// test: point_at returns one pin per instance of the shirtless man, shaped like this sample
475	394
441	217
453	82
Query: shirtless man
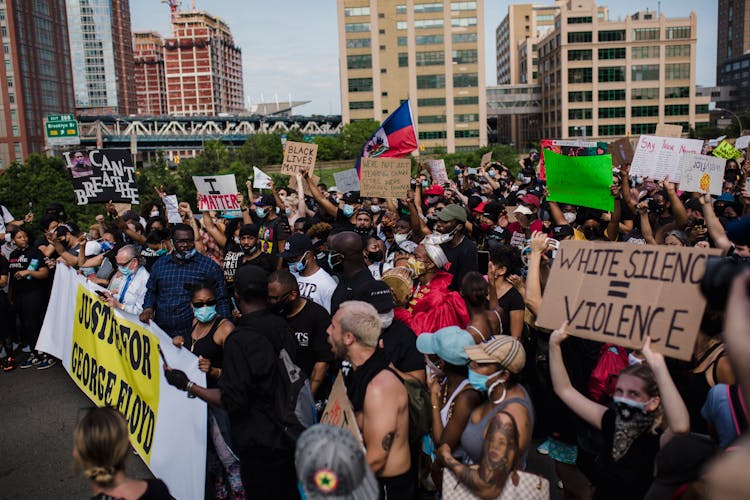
378	397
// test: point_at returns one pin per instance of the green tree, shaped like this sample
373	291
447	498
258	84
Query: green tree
330	147
354	136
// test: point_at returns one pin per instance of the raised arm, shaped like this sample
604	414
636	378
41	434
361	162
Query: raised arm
557	215
533	296
301	207
678	209
324	203
216	233
715	229
613	228
648	233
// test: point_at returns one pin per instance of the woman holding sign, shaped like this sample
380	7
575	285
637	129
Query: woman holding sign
632	431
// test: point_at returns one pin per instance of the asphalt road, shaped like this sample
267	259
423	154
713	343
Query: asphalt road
38	411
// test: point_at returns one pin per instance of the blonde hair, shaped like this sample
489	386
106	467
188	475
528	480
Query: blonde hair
644	372
361	319
100	440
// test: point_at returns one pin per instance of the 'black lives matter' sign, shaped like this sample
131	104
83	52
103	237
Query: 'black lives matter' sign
102	175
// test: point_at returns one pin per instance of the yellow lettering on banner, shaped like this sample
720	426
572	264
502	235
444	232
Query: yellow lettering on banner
115	363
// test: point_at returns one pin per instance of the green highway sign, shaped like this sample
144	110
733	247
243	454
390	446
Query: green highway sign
61	130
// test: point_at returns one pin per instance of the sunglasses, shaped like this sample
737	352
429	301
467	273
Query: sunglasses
208	303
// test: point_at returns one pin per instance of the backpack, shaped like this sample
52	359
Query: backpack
293	405
612	360
420	407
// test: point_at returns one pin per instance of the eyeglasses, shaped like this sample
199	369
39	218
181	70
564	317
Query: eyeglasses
271	298
208	303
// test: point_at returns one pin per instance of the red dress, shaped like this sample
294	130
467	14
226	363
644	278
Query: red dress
433	307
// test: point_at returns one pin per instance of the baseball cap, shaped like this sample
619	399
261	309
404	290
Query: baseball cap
530	199
562	231
250	278
739	231
352	197
331	464
502	349
448	343
267	200
680	461
249	230
480	207
522	209
452	212
92	248
296	245
435	190
376	293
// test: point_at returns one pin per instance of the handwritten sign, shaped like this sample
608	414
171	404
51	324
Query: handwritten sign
742	142
610	292
702	174
726	151
102	175
339	411
216	192
299	157
437	171
347	180
385	177
172	206
622	152
261	180
659	157
486	159
667	130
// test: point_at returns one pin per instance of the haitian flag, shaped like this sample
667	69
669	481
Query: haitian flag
395	138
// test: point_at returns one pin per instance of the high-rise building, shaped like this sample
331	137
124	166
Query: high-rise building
203	66
36	78
733	53
150	80
608	79
101	48
429	52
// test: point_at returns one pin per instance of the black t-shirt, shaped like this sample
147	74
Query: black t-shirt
4	269
511	301
42	242
20	260
342	221
309	328
270	233
232	260
150	257
263	260
400	347
350	288
462	259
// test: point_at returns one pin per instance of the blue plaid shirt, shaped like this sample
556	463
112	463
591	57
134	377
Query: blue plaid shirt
167	296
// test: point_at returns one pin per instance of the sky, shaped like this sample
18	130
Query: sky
291	46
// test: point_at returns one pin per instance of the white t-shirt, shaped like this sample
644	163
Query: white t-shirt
376	271
6	218
317	287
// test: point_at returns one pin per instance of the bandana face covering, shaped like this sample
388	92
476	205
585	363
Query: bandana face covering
630	423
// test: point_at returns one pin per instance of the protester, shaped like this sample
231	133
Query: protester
127	288
346	257
314	282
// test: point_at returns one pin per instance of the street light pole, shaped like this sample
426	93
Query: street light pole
739	122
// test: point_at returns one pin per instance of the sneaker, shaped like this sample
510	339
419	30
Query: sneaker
25	348
32	360
46	362
543	448
8	364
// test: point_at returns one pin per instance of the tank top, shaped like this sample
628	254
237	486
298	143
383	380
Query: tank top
206	347
472	439
459	452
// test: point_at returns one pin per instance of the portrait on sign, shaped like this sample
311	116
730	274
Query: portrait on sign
79	164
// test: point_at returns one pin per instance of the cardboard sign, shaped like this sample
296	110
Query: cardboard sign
726	151
216	192
339	411
299	157
384	177
622	152
305	187
171	204
102	175
347	180
486	159
702	174
580	180
742	142
618	293
667	130
437	171
659	157
261	180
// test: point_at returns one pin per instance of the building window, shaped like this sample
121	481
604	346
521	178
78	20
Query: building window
545	18
357	11
579	114
678	71
423	8
644	72
360	84
431	119
400	9
579	37
428	23
579	75
676	92
611	74
611	130
580	20
359	61
643	128
357	43
642	111
605	113
645	34
583	96
401	25
466	80
403	59
612	95
701	109
357	27
464	56
677	51
434	134
465	100
464	37
430	81
612	36
435	58
647	52
360	105
402	41
428	39
467	118
644	94
463	22
676	109
615	53
579	55
463	6
431	101
678	32
463	134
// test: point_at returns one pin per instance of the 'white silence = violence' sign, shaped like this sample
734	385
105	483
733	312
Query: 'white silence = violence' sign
216	192
619	293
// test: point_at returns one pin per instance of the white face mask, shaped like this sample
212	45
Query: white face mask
570	217
375	208
400	238
237	239
154	213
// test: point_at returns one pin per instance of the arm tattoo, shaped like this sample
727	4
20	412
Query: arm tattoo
388	440
498	458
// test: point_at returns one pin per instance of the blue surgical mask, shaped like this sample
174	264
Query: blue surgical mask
186	256
491	173
107	245
348	210
478	381
287	212
161	251
635	405
261	213
425	184
298	267
125	271
334	260
205	314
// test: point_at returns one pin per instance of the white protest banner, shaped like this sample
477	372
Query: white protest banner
702	174
216	192
438	172
347	180
102	175
742	142
339	411
659	157
171	203
261	180
610	292
299	157
114	360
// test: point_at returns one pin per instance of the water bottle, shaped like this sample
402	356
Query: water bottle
33	266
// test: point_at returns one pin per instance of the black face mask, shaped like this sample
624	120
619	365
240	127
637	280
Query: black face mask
592	233
375	256
364	231
281	307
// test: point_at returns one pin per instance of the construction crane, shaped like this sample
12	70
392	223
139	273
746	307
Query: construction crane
173	5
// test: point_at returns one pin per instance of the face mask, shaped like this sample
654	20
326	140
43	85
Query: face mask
320	255
261	213
570	217
186	256
155	213
591	233
375	256
107	245
424	184
161	251
237	239
485	227
251	250
525	180
363	231
125	271
334	260
491	173
632	360
417	267
287	212
374	208
478	381
279	308
298	267
432	199
400	238
348	210
205	314
627	408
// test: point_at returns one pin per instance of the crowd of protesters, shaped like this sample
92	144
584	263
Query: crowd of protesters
434	296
